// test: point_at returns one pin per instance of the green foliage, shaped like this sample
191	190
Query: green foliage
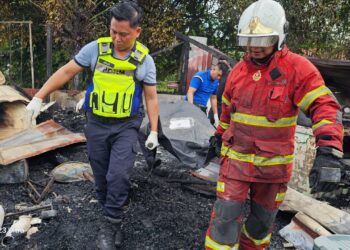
162	87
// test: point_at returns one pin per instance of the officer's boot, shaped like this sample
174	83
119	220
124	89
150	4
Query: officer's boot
118	238
109	235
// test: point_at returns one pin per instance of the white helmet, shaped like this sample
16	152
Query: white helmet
262	24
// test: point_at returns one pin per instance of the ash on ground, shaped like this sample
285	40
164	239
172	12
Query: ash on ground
160	213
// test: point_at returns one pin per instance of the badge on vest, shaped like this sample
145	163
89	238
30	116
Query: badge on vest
257	76
104	47
108	64
137	55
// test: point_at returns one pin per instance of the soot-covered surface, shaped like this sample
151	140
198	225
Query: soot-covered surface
160	214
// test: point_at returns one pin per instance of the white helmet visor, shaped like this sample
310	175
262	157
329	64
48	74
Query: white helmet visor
257	41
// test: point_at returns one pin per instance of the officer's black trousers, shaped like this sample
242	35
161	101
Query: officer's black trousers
111	147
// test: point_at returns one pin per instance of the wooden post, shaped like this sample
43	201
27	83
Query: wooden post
31	52
49	50
214	52
185	54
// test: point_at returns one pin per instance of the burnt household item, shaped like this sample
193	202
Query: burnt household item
184	132
2	215
72	171
12	112
338	241
48	214
16	172
18	228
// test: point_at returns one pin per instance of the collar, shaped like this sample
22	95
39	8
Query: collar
273	59
127	55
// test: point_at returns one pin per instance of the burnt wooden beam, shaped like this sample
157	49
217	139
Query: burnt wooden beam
185	54
166	49
216	53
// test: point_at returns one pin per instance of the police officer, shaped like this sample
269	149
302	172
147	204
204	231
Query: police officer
121	70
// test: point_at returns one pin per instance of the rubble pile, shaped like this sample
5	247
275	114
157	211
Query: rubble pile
161	212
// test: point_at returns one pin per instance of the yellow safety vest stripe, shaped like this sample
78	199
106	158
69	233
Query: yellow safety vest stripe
254	159
321	123
262	121
311	96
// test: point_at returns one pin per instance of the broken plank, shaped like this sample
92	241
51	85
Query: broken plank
316	228
330	217
215	52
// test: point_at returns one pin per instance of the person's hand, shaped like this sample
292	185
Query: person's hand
152	140
33	109
327	171
216	120
79	105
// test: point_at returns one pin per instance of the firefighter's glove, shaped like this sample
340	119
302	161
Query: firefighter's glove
327	171
152	140
218	142
79	105
33	109
216	120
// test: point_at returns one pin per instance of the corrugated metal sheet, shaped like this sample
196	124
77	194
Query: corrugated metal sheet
335	72
44	137
198	59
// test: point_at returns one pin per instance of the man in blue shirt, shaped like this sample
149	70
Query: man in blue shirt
204	85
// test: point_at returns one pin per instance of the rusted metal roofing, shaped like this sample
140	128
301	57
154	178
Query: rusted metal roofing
44	137
335	72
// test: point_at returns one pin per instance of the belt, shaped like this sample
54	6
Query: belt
109	120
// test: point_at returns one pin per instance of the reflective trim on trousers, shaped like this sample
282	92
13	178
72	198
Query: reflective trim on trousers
280	197
220	187
257	242
210	243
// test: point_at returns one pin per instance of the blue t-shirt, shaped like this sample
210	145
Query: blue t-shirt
145	72
205	86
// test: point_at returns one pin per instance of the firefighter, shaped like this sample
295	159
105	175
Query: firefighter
122	70
261	101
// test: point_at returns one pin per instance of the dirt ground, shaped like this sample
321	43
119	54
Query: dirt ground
160	214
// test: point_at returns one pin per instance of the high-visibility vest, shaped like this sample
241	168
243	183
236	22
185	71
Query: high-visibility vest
114	81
